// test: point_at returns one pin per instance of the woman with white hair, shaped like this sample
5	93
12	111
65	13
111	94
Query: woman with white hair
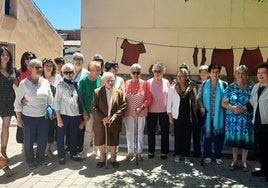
68	110
31	115
138	97
79	71
108	107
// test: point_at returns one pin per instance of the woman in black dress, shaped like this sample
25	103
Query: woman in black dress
8	76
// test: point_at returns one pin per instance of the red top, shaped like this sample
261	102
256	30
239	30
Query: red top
137	94
131	52
24	75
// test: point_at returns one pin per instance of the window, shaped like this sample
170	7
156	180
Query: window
11	8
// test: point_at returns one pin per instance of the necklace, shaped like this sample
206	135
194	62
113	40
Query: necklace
134	91
71	89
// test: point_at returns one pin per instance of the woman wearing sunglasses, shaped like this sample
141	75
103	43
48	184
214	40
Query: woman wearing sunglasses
31	115
138	98
68	110
158	110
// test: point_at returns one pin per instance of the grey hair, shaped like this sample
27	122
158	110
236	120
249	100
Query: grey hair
78	54
67	65
243	68
160	65
203	68
33	62
135	66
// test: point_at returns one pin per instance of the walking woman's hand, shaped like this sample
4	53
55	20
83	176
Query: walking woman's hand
59	122
170	119
20	122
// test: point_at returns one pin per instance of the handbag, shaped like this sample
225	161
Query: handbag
50	113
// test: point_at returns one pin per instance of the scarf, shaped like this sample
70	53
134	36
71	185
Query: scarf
70	82
218	120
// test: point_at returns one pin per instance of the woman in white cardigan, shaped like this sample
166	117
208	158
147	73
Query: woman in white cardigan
181	109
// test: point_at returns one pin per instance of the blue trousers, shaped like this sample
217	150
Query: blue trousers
71	123
35	129
218	140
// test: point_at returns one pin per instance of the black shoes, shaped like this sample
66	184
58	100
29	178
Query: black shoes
62	161
258	173
163	156
115	164
100	164
150	155
75	158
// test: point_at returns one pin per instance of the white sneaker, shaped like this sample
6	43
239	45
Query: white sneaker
219	161
207	160
187	160
177	159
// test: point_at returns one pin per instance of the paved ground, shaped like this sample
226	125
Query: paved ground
149	173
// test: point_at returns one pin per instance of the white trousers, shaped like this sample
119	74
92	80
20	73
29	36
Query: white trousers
131	124
89	135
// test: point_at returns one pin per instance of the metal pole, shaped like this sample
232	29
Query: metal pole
136	144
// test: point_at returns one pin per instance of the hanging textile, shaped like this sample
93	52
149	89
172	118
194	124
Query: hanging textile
251	58
224	57
131	52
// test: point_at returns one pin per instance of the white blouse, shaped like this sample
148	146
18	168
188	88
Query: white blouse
38	96
66	99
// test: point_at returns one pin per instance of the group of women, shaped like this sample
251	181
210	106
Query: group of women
228	113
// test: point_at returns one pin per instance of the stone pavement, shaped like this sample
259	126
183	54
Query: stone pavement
148	173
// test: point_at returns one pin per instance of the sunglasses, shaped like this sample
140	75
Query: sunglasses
136	73
38	67
68	72
157	71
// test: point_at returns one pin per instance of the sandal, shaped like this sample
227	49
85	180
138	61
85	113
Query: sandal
233	166
245	167
115	164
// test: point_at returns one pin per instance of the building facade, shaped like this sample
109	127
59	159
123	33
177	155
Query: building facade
24	28
174	31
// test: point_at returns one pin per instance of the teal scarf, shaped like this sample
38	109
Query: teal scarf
218	121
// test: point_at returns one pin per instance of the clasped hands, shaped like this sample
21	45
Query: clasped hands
239	110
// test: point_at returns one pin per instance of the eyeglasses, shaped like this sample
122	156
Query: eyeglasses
157	71
38	67
136	73
68	72
78	59
110	81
